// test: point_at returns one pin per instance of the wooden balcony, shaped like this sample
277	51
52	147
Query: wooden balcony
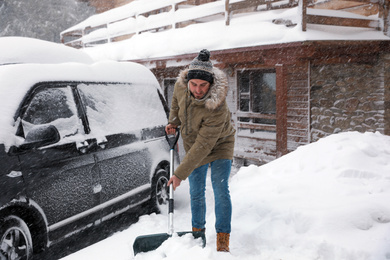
353	13
170	14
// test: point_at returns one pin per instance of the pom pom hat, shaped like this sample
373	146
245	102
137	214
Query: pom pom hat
201	67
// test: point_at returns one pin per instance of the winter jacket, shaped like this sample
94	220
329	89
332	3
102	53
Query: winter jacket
205	124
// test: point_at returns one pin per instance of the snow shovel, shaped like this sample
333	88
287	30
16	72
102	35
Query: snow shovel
148	243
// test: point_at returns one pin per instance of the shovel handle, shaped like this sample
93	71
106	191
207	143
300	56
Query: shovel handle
172	141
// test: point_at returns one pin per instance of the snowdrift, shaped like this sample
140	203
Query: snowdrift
326	200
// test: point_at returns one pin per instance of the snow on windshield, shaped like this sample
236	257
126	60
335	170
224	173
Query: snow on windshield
116	108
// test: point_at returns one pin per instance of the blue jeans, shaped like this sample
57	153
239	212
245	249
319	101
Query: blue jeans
220	172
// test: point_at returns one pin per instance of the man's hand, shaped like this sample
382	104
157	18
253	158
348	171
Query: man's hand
170	129
175	181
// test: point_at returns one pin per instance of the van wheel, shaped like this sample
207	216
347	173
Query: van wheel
160	192
15	239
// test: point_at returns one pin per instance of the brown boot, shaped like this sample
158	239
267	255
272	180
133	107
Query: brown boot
223	242
194	229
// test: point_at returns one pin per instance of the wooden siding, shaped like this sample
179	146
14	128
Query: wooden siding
297	105
281	110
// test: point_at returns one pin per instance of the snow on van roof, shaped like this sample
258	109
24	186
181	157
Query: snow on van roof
17	79
30	50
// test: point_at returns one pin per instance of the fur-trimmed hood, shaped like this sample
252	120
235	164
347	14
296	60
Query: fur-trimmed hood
217	92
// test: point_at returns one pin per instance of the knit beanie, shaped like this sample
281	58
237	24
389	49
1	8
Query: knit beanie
201	67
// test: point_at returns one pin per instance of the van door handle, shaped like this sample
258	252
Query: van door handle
14	174
97	188
102	142
82	146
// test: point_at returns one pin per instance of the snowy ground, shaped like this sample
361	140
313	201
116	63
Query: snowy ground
328	200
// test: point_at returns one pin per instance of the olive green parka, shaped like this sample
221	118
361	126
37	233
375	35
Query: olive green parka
205	124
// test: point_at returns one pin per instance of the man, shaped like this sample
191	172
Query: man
199	107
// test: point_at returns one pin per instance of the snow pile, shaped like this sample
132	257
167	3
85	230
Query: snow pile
326	200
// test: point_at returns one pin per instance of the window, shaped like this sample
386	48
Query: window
53	106
169	85
257	100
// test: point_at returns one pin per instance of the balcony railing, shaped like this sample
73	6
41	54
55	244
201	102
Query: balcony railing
156	16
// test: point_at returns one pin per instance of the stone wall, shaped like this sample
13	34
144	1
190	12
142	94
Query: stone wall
347	97
386	61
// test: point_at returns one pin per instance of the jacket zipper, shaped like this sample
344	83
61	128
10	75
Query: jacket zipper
188	102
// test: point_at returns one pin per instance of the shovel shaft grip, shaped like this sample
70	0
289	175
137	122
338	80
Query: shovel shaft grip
172	141
171	206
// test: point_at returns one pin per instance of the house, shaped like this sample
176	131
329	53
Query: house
284	94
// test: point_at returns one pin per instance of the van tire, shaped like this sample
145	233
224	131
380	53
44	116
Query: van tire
15	239
160	192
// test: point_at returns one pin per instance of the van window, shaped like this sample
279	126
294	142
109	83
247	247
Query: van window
121	108
169	85
53	106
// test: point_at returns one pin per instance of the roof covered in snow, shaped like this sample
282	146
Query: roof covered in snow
245	30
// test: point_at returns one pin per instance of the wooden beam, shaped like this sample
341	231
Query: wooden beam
255	115
366	10
304	15
385	16
364	1
228	13
341	21
341	4
337	5
253	126
281	111
357	7
250	3
230	7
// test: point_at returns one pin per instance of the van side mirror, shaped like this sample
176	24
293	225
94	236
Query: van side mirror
40	136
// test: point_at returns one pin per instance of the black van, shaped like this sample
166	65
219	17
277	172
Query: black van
79	144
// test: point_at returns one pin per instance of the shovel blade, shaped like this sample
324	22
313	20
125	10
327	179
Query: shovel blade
147	243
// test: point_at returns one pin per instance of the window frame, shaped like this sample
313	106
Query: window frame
263	129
